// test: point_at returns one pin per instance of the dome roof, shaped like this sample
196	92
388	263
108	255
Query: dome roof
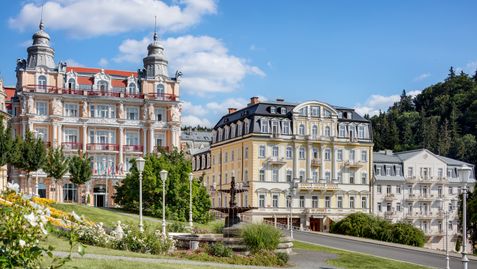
41	37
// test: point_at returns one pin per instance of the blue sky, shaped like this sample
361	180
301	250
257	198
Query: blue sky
358	54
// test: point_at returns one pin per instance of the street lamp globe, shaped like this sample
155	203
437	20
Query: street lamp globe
140	164
164	174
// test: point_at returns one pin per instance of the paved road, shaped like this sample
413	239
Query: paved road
435	260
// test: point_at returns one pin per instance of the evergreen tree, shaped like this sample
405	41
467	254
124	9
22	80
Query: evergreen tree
444	139
32	155
55	166
6	143
80	169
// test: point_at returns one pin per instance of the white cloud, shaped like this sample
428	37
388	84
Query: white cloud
191	120
471	67
422	77
71	62
103	62
377	102
88	18
207	65
209	113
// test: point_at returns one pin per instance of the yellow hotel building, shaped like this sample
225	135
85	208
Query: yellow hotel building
324	152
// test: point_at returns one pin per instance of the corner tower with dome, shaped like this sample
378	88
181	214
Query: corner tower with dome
112	116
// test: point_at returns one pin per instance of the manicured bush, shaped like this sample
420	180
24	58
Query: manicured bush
284	257
261	237
176	227
368	226
219	250
218	227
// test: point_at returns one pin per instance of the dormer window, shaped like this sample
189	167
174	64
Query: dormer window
340	115
239	129
42	82
286	127
273	110
264	126
132	88
160	90
361	131
342	131
71	83
303	111
327	113
283	110
103	86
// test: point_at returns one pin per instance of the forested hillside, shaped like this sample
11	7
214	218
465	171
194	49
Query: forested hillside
443	119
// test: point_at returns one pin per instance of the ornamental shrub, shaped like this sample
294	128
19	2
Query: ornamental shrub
219	250
176	227
261	237
372	227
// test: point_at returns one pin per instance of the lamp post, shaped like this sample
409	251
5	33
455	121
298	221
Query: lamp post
191	177
140	167
164	178
105	164
35	190
464	173
446	213
291	193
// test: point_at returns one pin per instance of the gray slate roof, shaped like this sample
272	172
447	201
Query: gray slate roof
196	136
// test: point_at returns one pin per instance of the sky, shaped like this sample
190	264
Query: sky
358	54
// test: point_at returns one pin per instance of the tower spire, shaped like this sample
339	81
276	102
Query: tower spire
155	28
42	26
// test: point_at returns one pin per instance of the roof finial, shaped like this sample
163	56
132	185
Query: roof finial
155	26
42	26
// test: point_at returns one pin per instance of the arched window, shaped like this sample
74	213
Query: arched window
314	131
327	131
42	82
160	90
70	192
71	83
132	88
103	86
301	129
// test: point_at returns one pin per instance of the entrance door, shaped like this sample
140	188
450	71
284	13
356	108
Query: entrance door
316	224
99	200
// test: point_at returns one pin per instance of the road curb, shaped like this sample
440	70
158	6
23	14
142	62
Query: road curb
395	245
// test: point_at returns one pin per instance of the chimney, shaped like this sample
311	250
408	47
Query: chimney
232	110
280	100
389	152
254	100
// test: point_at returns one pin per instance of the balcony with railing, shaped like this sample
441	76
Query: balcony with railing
411	197
133	148
389	215
276	160
426	197
315	162
72	145
104	93
102	146
134	95
354	164
389	197
162	96
318	186
161	148
411	179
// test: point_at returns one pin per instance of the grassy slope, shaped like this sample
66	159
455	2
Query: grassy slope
116	264
111	217
354	260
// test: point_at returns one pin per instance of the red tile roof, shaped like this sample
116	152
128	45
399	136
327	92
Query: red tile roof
10	91
97	70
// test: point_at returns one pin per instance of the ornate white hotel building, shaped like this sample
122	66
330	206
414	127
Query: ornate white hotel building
111	116
323	151
420	187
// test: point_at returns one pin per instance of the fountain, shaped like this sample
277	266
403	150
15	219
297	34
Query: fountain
233	210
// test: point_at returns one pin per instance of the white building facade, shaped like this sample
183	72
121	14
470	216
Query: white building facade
420	187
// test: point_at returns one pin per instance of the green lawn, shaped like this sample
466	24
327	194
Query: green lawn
111	216
121	264
353	260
